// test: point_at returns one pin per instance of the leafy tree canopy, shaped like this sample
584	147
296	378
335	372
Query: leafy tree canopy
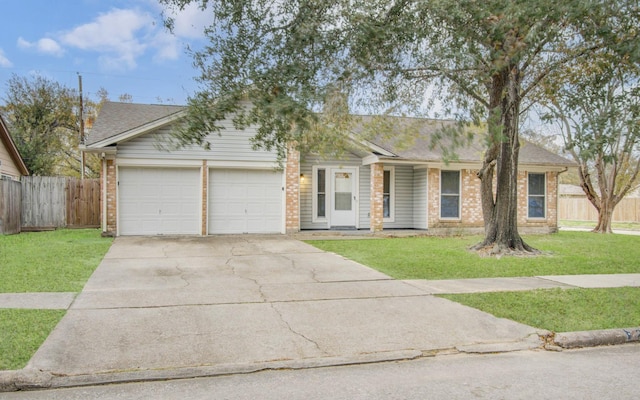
482	61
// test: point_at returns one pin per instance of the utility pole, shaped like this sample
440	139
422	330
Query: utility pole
81	112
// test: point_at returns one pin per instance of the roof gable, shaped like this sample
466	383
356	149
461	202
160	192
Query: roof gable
117	121
10	146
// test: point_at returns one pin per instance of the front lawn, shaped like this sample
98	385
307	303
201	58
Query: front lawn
561	310
22	332
565	253
55	261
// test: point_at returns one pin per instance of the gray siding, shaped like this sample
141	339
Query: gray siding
403	205
231	145
420	199
365	197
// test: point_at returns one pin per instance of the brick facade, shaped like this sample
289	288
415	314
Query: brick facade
471	217
292	191
377	206
111	227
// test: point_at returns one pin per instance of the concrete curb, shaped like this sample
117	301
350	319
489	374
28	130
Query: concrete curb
607	337
33	379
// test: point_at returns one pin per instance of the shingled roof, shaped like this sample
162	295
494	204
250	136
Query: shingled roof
116	118
414	143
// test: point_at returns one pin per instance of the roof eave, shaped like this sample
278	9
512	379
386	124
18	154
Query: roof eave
135	132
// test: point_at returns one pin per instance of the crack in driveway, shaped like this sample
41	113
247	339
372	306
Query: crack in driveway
299	334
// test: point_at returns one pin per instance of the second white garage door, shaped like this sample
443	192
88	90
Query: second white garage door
245	201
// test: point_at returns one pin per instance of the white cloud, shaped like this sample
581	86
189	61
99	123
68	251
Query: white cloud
190	22
119	36
44	46
4	61
167	47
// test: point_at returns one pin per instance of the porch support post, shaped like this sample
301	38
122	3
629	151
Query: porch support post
292	191
377	209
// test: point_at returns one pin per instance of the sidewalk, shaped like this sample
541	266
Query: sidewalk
63	301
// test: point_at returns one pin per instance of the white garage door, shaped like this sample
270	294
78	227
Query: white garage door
245	201
159	201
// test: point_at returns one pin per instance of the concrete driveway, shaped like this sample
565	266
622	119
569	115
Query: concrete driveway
158	308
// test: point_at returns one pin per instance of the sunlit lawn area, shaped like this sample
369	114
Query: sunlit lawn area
56	261
565	253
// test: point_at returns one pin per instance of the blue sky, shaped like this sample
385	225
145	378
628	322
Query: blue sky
120	45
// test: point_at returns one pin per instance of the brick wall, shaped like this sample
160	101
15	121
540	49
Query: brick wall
292	191
377	207
471	206
111	198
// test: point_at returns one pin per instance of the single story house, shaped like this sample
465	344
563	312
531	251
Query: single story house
11	164
149	189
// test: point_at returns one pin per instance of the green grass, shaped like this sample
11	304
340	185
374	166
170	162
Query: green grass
22	332
561	310
56	261
565	253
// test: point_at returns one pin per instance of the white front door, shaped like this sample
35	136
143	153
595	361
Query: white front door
343	197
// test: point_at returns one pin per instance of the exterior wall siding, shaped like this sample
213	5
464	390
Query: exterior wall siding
420	199
7	166
365	197
230	145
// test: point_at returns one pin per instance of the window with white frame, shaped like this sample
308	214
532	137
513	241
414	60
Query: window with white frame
537	195
388	195
321	193
450	194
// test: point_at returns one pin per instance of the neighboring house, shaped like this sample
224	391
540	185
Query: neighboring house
11	164
149	189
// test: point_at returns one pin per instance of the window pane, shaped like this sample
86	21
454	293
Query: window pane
321	205
343	182
449	206
386	206
536	206
450	182
343	201
386	186
536	184
321	177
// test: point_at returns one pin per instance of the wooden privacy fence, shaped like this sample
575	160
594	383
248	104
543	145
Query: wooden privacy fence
10	206
56	202
580	209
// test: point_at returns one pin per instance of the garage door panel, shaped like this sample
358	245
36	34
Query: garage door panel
159	201
245	201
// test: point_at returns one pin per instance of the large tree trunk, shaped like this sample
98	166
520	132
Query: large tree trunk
501	214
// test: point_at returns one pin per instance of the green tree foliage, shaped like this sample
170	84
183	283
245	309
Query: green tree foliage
598	108
483	61
43	119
